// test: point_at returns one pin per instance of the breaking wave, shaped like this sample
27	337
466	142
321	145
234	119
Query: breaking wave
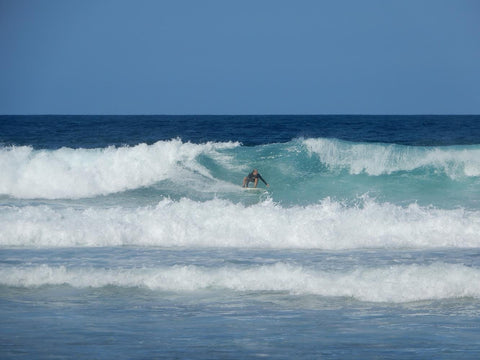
379	159
222	223
84	173
397	284
78	173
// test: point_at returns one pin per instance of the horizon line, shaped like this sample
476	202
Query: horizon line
259	114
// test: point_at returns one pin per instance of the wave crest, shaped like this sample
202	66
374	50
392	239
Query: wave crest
77	173
379	159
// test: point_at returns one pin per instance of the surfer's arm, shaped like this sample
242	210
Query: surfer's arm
261	178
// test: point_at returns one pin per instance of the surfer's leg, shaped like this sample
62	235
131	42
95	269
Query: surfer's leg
256	182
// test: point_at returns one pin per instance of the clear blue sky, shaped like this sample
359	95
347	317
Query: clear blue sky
240	57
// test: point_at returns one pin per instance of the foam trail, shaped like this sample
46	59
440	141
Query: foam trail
401	283
77	173
378	159
221	223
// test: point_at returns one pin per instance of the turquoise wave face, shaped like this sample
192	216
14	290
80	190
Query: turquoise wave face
305	171
300	172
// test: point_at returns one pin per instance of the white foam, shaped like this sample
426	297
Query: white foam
401	283
221	223
77	173
378	159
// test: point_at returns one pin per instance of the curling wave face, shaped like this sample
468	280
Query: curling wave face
301	172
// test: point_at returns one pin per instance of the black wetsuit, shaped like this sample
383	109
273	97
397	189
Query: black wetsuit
251	178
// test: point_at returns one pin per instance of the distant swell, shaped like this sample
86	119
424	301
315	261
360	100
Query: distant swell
401	283
221	223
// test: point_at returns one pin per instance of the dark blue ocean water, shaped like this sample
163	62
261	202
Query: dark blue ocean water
52	132
130	237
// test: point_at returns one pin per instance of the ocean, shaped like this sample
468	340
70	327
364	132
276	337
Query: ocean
130	237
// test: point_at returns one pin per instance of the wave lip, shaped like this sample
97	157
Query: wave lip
328	225
397	284
384	159
78	173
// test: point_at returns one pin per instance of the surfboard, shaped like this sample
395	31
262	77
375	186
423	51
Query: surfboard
254	189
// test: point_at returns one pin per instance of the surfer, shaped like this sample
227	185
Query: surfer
253	177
